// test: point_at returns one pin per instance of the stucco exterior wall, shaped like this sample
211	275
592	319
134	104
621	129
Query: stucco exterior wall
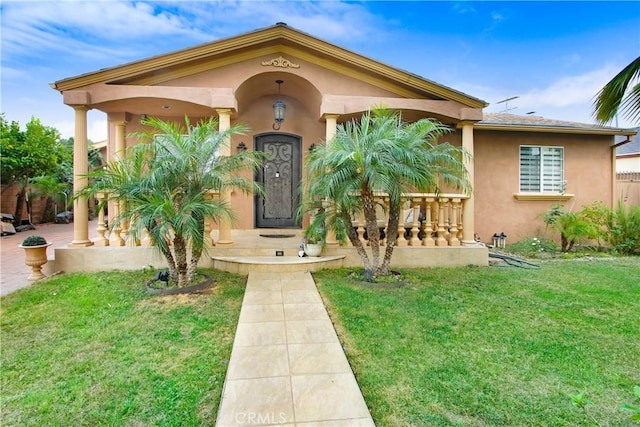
497	180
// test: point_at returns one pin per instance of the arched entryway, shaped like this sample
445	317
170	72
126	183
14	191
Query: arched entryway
280	177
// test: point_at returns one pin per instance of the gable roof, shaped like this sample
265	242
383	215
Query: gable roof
530	123
279	37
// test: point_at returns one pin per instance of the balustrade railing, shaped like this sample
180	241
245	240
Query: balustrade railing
427	219
109	235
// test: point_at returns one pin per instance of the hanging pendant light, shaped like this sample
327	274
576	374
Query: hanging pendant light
278	109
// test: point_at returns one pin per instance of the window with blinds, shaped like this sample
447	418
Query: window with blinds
541	169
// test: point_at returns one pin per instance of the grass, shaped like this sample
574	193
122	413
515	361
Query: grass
453	347
97	349
494	346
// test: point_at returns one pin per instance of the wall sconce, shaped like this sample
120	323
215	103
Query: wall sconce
312	147
242	147
278	109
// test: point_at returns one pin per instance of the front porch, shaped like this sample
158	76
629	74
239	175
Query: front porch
432	234
252	252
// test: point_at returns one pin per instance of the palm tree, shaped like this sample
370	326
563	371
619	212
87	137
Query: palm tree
165	182
380	153
612	97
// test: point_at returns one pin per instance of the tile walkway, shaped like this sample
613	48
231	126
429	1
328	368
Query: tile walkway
287	366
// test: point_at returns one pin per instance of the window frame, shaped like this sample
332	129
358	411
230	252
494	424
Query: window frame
560	184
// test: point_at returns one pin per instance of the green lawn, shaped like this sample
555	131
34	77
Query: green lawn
494	346
469	347
96	349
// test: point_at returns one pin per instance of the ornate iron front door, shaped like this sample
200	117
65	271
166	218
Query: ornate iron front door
280	177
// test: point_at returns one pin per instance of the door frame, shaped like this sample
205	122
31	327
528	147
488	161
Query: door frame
296	178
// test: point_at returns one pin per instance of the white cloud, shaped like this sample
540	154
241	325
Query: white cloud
568	98
97	128
65	127
570	90
107	33
571	59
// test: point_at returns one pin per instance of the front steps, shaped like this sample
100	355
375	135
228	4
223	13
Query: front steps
282	264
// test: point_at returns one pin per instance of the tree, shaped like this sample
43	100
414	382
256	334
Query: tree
612	97
26	154
50	187
379	153
165	181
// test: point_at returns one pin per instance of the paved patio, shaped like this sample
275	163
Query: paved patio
13	272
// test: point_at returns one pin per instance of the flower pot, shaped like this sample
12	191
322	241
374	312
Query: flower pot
35	257
313	249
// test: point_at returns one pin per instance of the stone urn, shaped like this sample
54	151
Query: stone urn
35	250
313	249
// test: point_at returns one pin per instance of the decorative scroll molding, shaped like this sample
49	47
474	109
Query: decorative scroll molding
280	62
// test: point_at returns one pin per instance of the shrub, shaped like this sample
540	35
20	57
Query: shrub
34	240
624	229
573	227
619	227
533	247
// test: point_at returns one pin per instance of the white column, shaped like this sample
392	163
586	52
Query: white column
468	225
331	126
80	181
115	236
224	237
101	229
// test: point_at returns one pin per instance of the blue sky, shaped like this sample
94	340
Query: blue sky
554	56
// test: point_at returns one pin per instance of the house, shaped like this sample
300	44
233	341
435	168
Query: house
628	154
628	169
520	165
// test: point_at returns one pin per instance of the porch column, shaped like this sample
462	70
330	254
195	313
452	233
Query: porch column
224	237
115	236
330	132
468	225
80	181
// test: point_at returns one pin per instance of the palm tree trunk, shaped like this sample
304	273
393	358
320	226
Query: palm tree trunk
373	234
180	250
355	240
171	263
196	253
392	235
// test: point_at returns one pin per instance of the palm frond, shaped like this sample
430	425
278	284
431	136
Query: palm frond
610	99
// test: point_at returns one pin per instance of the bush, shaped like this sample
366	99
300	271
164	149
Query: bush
34	240
624	229
573	227
533	247
620	228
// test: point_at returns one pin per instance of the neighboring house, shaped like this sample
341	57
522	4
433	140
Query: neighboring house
628	154
628	169
521	165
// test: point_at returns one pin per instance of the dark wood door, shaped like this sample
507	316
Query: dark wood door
280	177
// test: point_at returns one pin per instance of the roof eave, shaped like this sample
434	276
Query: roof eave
554	129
